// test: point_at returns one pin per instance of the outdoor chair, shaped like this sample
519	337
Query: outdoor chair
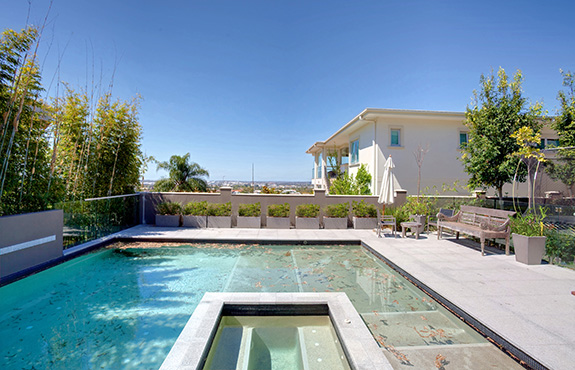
432	220
387	221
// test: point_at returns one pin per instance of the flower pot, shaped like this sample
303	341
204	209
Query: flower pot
220	221
364	222
168	220
335	222
529	249
195	221
277	222
249	222
307	222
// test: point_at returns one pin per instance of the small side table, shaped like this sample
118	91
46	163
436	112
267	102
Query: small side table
410	225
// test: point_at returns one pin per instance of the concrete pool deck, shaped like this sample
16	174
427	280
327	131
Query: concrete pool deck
531	307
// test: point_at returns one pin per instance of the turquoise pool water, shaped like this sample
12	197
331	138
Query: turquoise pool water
123	308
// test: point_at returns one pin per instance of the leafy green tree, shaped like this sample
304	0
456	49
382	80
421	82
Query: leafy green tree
564	124
352	185
23	128
184	175
497	111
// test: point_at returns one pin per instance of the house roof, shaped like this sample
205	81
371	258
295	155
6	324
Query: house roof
368	115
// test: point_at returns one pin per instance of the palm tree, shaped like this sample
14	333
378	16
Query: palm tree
184	175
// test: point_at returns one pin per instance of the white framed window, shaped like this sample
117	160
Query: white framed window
354	152
395	137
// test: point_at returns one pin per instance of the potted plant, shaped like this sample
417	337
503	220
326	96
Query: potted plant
168	214
528	237
335	216
278	216
364	215
195	214
249	216
220	214
307	216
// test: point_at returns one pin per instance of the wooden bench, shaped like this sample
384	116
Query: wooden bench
483	223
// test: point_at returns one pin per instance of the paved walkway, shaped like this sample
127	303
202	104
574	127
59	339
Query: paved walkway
530	306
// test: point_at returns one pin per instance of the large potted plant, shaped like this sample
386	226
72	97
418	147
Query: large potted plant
528	237
195	214
364	215
220	215
249	216
168	214
307	216
335	216
278	216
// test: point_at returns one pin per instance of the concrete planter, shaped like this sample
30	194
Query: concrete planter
220	221
529	249
195	221
168	220
335	222
307	222
249	222
277	222
364	222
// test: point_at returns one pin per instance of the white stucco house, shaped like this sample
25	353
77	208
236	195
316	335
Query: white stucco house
374	134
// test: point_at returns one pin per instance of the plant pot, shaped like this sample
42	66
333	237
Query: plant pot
249	222
364	222
307	222
277	222
168	220
529	249
335	222
220	221
195	221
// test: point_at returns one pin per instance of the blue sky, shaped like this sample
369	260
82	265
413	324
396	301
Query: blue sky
241	82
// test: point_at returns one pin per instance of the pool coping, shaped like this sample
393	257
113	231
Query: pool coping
192	346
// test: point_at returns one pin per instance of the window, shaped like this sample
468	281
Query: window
345	156
354	152
318	167
463	139
551	143
395	134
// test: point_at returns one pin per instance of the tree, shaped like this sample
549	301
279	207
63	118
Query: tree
531	156
564	125
350	185
497	111
184	175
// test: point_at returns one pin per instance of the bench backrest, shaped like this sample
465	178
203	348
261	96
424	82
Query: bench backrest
472	215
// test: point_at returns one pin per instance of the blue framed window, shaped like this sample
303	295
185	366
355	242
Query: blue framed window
395	134
552	143
354	152
463	139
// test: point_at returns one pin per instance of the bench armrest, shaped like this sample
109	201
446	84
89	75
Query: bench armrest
442	217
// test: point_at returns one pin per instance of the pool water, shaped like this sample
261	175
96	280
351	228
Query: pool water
124	307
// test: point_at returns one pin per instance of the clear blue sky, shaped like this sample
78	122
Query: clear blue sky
241	82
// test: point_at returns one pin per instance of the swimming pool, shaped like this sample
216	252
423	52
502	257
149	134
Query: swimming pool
124	306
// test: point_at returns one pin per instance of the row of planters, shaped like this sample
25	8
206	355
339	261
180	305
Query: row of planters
204	214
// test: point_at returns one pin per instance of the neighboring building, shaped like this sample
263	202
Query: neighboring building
374	134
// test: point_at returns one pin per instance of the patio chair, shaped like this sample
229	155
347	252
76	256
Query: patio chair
387	221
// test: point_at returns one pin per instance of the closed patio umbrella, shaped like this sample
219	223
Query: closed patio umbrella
387	193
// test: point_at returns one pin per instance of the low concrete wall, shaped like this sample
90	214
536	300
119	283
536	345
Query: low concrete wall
150	200
29	240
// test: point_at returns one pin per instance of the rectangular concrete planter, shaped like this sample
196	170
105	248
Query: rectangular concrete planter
364	222
168	220
335	222
277	222
529	249
249	222
219	221
195	221
307	222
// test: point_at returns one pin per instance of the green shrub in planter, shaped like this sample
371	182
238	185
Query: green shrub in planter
168	208
196	209
279	210
307	210
337	210
529	224
220	209
362	209
250	210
